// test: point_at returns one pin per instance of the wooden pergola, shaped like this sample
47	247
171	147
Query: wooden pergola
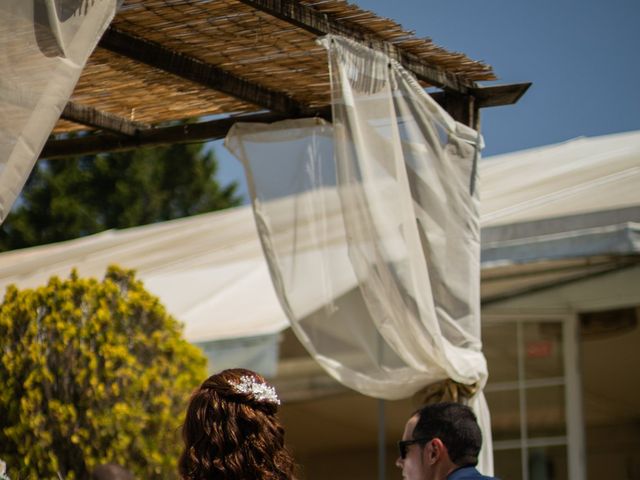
162	61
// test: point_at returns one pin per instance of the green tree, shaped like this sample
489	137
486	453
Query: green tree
73	197
92	372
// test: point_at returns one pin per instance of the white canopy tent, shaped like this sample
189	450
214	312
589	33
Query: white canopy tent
573	199
204	268
210	272
559	213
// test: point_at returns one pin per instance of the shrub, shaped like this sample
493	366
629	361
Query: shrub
92	372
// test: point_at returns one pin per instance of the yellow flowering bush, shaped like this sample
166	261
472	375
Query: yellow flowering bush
92	372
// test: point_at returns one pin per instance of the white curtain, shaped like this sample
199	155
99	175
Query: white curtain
370	228
44	44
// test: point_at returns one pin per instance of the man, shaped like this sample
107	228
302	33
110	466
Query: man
441	442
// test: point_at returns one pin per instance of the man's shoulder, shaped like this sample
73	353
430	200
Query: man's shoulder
468	473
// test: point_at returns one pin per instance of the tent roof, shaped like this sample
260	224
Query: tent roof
203	268
573	199
555	214
583	175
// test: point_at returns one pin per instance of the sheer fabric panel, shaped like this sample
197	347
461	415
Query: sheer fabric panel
44	44
371	231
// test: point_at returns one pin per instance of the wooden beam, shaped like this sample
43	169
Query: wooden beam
190	132
92	117
497	95
217	129
198	71
466	108
317	23
92	144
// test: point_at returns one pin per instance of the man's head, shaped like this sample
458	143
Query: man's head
437	439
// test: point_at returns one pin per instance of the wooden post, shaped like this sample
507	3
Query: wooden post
462	107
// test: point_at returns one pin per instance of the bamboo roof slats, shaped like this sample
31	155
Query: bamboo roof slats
195	70
320	24
162	61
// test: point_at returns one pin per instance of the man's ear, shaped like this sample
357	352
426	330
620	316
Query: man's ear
436	450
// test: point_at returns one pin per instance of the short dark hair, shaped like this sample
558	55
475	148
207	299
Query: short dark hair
456	426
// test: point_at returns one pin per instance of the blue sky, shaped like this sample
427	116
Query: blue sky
583	57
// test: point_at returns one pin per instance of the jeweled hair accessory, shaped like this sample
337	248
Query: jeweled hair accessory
260	391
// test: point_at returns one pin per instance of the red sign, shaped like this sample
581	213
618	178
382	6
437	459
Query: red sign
540	349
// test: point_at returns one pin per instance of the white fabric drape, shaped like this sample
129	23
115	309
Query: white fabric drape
385	233
44	44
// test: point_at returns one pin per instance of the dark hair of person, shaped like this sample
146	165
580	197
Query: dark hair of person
233	433
456	426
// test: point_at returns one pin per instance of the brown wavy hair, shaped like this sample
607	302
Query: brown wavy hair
233	435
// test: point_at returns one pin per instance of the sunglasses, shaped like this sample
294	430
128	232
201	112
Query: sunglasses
403	445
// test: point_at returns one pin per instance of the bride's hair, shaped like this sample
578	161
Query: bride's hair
231	430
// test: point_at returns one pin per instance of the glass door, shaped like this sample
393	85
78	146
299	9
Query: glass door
534	397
